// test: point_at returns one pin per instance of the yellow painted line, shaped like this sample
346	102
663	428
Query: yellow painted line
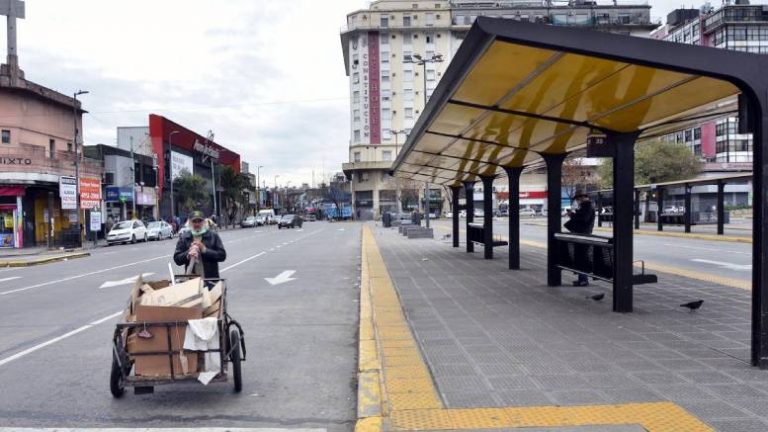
410	400
698	236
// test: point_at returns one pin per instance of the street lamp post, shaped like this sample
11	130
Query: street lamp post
170	149
133	182
258	187
436	58
397	183
77	167
275	194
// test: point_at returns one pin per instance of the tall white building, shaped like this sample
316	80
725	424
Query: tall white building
382	46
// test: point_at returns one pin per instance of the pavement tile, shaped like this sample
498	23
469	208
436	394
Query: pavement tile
520	398
578	397
747	425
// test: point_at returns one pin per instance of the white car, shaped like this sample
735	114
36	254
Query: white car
527	212
159	230
127	231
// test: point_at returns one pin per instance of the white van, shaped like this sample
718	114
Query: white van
269	216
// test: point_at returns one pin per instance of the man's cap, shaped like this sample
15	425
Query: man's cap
196	215
579	194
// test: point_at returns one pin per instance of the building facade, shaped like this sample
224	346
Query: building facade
740	27
395	53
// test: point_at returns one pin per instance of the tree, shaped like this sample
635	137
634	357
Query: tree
577	176
409	193
233	185
190	190
656	161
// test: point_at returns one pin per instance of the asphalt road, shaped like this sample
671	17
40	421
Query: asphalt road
724	259
56	325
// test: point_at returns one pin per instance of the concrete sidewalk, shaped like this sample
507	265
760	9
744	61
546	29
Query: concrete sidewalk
463	343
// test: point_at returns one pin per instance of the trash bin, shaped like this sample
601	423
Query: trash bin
386	219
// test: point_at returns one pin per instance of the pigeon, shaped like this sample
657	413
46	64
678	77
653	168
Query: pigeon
693	305
598	297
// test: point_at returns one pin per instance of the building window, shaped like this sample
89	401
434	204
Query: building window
6	136
355	78
356	96
384	22
408	75
356	115
430	75
356	157
385	57
52	148
386	114
407	56
406	21
385	78
409	113
356	135
386	156
69	147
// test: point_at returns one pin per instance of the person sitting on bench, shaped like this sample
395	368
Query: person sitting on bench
581	221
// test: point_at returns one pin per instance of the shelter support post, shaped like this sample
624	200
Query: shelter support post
636	208
759	111
647	205
720	208
514	216
599	209
687	216
659	208
554	218
623	206
455	190
487	216
469	193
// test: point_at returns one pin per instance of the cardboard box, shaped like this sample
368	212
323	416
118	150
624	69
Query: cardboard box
213	311
172	295
159	365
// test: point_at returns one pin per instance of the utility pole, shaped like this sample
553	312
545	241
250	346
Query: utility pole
77	168
170	149
133	181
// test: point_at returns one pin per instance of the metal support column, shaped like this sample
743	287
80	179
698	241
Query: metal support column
487	216
659	207
513	174
759	347
720	208
687	216
455	190
554	218
623	205
636	209
469	192
599	209
647	205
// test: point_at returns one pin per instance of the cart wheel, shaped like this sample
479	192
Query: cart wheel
234	357
116	383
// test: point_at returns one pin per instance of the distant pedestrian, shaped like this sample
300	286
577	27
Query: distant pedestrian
581	221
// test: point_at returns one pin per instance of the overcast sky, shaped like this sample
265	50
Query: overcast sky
266	76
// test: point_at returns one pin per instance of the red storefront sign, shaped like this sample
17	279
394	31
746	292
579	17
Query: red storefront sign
90	192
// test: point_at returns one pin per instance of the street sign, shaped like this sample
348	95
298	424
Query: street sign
95	221
90	192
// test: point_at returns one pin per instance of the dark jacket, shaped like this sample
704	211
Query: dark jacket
213	255
583	219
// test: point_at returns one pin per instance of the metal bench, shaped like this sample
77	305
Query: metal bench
593	256
476	234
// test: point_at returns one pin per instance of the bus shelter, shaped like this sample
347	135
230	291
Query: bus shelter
517	94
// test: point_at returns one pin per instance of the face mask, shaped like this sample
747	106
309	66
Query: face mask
198	233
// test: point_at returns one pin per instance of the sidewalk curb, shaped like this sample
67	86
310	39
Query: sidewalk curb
29	263
697	236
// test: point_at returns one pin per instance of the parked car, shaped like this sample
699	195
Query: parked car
527	212
290	221
260	220
127	231
543	212
159	230
311	217
249	222
269	216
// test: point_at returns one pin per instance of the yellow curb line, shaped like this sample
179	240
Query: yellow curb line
409	397
697	236
29	263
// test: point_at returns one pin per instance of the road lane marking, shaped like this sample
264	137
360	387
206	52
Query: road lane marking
709	249
199	429
281	278
127	281
81	275
243	261
56	339
726	265
10	278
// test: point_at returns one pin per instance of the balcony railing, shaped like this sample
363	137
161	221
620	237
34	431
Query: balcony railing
36	159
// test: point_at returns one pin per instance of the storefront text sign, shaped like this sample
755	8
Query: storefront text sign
68	193
90	192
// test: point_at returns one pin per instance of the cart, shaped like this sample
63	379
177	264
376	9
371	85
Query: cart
231	350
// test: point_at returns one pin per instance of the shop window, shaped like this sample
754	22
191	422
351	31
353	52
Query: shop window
6	136
52	148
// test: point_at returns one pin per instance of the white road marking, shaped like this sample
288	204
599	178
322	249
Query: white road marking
80	276
243	261
709	249
10	278
281	278
729	266
201	429
127	281
54	340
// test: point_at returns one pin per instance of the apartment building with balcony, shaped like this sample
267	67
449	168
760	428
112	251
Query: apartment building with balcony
737	26
37	129
389	89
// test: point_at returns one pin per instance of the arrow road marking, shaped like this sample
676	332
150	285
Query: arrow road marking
729	266
281	278
130	280
10	278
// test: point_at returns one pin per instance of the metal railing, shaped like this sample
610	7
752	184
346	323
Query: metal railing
37	159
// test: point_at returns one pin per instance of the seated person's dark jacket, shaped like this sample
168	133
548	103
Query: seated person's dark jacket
213	255
583	219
